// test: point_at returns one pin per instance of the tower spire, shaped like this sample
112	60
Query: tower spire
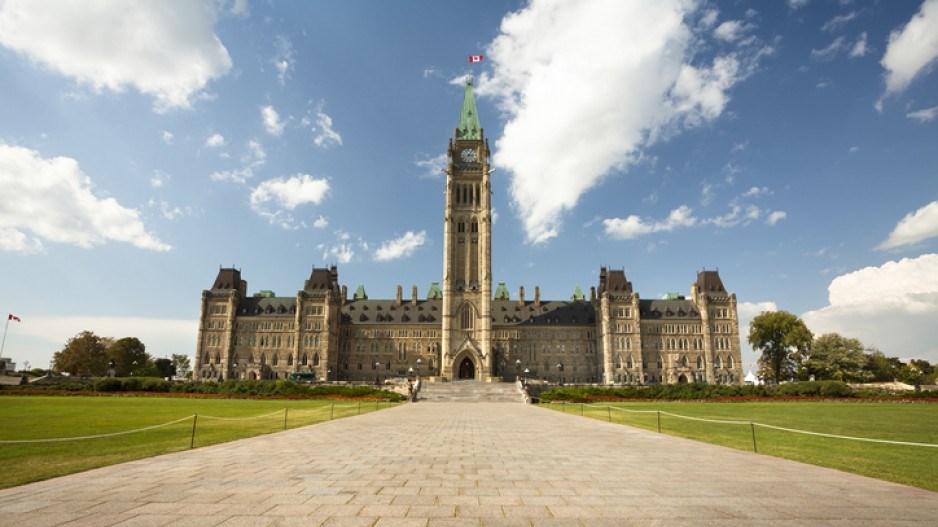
469	127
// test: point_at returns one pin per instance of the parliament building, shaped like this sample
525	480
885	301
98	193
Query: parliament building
465	328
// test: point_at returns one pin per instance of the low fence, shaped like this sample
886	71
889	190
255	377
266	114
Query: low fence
324	411
751	424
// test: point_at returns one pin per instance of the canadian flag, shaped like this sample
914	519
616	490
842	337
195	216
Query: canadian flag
13	317
475	58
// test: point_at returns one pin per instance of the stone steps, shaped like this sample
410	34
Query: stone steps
470	392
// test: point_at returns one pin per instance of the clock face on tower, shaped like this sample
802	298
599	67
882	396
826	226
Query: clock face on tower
468	155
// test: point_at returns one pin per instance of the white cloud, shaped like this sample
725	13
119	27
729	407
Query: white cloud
240	8
746	311
159	179
255	158
167	50
859	48
36	335
739	147
915	227
327	136
273	198
924	115
707	193
731	30
431	167
400	247
272	123
775	216
797	4
633	226
709	19
55	202
830	51
854	149
614	103
283	59
756	192
168	211
892	307
913	49
321	222
839	21
167	137
215	141
343	250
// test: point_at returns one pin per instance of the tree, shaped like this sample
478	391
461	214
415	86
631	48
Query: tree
164	367
181	362
883	368
130	357
838	358
783	339
83	354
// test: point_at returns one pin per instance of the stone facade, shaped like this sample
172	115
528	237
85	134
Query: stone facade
465	329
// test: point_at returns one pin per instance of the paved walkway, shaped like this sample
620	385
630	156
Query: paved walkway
444	464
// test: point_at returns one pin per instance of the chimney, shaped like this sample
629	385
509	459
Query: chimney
344	294
399	295
521	296
413	296
537	296
593	294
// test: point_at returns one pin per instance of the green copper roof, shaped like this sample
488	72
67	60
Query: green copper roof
501	293
468	127
435	293
360	293
577	295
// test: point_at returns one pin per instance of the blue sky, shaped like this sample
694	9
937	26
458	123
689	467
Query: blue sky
791	144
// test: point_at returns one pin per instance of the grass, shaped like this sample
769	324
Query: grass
54	417
910	465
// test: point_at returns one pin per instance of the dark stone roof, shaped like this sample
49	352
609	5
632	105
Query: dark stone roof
709	282
613	281
550	313
267	306
368	311
668	309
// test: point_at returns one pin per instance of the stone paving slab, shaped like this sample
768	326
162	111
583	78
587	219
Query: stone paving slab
464	464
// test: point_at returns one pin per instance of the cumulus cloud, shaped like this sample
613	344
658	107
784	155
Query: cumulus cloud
924	115
167	50
633	226
275	198
326	136
431	167
214	141
797	4
271	119
859	48
775	216
731	30
400	247
159	179
167	137
613	104
912	50
892	307
747	311
321	222
53	199
255	158
915	227
343	249
283	59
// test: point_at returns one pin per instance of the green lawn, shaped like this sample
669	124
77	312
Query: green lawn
910	465
56	417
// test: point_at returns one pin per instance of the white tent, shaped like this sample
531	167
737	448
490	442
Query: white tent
752	380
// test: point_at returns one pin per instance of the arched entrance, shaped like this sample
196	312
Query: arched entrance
682	379
467	369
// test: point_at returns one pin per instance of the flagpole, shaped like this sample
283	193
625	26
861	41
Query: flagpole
5	328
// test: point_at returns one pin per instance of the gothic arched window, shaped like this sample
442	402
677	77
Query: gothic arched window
467	317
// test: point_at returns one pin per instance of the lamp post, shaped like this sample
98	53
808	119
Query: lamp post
328	373
526	372
517	368
234	369
419	361
559	371
377	376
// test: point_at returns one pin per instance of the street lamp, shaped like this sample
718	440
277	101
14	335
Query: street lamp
559	370
377	377
526	372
